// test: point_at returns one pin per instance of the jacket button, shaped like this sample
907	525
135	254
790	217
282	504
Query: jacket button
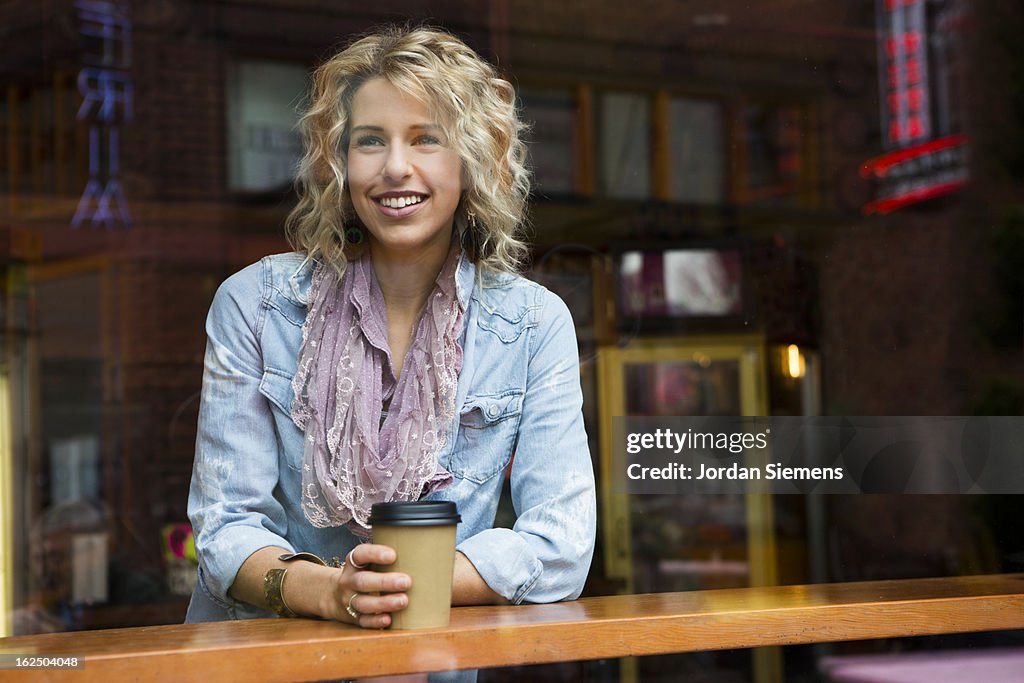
493	410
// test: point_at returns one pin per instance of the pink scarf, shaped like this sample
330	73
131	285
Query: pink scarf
351	460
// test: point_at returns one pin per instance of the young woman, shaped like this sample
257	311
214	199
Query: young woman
395	355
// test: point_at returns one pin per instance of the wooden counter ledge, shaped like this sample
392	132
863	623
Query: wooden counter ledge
591	628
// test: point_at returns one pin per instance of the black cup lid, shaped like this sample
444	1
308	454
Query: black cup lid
415	513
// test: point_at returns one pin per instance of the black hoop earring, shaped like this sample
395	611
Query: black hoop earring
354	235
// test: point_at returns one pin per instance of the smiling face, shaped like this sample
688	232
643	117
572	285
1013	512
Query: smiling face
404	179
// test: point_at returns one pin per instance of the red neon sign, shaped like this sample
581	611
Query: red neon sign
890	204
903	57
880	165
915	168
915	174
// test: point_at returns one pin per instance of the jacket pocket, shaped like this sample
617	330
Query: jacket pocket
276	386
488	427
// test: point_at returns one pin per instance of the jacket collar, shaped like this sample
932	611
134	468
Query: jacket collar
299	281
464	276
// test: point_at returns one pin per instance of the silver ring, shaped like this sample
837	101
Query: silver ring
352	611
349	560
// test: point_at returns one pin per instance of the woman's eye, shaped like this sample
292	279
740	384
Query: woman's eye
368	141
427	140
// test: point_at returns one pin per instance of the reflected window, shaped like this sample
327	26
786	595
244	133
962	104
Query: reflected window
669	388
681	282
551	115
696	151
774	159
43	148
625	144
264	144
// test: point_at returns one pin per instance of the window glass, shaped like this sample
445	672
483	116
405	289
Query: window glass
783	254
774	159
625	144
263	140
696	151
551	115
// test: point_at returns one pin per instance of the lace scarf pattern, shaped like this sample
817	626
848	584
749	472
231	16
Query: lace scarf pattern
350	460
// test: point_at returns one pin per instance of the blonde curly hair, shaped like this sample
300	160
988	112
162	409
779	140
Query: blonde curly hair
474	105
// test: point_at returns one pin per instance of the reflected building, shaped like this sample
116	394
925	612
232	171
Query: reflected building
785	207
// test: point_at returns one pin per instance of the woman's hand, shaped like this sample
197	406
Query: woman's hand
372	595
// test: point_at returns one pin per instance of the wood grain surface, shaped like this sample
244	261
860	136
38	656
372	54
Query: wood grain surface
591	628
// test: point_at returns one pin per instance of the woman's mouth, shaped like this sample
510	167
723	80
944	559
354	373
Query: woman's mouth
401	202
399	205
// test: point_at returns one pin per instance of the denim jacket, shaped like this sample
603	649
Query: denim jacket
518	391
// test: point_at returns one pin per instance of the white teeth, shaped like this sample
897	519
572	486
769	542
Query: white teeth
400	202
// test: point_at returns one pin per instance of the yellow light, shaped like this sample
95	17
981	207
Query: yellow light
794	364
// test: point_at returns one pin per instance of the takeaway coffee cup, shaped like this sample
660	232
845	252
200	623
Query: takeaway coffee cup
423	536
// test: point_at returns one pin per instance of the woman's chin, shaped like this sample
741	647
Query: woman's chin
405	246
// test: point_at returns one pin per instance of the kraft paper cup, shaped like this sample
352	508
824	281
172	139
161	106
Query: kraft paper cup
422	534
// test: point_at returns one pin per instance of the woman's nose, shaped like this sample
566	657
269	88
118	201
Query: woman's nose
396	165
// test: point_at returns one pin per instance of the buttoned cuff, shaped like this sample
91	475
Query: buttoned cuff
505	561
225	555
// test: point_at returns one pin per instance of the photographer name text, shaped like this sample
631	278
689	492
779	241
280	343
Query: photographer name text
733	472
710	442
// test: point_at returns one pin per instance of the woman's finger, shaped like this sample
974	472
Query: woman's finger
379	604
375	620
380	582
366	554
